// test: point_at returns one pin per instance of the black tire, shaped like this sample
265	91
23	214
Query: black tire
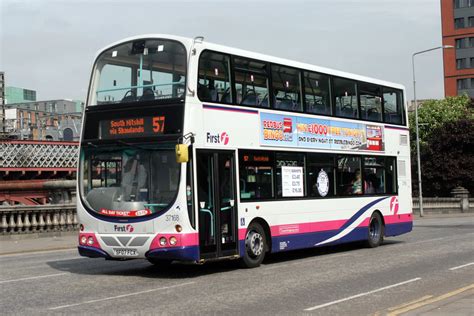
255	246
376	231
160	262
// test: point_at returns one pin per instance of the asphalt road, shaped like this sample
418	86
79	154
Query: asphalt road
435	259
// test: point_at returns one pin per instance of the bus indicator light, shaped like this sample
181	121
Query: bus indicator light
90	241
163	241
173	240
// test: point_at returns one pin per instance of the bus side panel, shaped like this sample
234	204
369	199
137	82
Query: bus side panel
309	240
352	227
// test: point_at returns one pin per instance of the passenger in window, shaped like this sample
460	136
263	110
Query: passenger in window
370	184
356	184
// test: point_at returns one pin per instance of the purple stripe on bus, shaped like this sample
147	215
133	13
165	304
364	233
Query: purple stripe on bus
190	253
91	252
223	108
309	240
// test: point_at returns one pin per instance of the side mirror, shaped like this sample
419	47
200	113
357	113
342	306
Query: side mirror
182	154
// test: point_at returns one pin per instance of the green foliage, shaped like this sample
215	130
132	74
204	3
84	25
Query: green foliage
446	138
435	113
448	161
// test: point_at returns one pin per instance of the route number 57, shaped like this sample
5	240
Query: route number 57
158	124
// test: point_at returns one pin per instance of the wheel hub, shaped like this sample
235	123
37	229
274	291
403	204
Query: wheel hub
254	243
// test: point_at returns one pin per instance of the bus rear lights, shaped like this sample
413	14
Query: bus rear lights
173	240
178	228
162	241
81	227
88	239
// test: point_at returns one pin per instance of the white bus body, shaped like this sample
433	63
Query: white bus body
216	207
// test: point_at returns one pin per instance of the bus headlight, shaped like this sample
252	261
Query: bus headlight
83	240
173	240
90	241
163	241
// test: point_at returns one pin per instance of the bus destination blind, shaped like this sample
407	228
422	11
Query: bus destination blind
132	127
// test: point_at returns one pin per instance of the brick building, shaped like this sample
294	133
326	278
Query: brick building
457	20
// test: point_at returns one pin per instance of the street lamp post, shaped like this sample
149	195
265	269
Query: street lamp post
418	161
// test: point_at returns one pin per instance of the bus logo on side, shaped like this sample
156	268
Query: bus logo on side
222	138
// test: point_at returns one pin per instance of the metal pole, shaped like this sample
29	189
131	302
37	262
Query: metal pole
418	161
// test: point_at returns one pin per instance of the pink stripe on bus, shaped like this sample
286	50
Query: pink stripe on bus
183	240
302	228
398	218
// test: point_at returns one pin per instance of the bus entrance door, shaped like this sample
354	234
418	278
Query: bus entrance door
216	203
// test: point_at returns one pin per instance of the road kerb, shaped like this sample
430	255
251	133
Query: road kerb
420	304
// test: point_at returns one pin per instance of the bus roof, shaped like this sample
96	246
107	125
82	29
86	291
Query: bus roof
187	42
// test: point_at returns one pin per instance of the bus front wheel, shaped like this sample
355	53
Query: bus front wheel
376	231
255	246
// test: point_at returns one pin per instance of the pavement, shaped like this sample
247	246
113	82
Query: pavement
25	245
427	272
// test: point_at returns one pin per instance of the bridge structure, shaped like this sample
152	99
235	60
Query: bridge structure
37	172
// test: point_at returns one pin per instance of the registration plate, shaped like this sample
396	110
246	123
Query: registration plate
126	252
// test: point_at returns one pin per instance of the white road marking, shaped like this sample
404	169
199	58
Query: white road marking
462	266
33	278
361	294
121	296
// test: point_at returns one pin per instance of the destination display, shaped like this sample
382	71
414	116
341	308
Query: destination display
132	127
295	131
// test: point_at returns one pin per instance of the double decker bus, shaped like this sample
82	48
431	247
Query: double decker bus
193	151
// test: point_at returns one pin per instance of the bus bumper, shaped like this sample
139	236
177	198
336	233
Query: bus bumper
188	253
92	252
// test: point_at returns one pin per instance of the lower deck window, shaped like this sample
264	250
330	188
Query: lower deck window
290	174
256	175
320	175
349	177
269	175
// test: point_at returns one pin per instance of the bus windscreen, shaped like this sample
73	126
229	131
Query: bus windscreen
140	70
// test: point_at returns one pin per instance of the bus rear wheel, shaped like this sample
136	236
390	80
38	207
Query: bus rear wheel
255	246
376	231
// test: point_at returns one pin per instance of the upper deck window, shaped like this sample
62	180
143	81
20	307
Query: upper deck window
286	88
370	102
317	93
393	106
214	78
251	82
345	95
140	70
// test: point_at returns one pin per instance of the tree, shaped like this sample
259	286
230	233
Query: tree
437	119
435	113
448	158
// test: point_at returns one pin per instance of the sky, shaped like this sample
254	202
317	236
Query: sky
49	46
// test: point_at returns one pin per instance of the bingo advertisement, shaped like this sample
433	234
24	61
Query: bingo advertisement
304	132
